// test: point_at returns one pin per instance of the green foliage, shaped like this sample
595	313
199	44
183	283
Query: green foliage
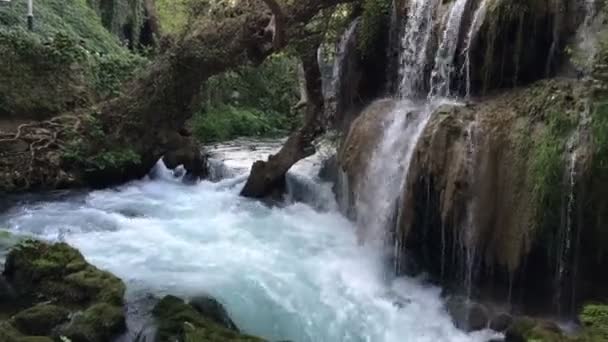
594	318
110	71
64	64
249	101
227	122
73	18
375	13
547	171
173	14
91	154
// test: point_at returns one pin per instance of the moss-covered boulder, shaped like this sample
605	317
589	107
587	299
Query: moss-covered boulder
179	321
526	329
40	319
60	273
63	295
98	323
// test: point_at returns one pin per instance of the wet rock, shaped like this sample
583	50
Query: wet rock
213	310
59	272
40	319
501	322
98	323
466	314
66	296
178	321
6	291
9	334
189	155
525	329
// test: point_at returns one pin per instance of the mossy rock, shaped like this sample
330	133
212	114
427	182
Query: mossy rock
40	319
96	324
59	272
594	319
526	329
80	301
9	334
178	321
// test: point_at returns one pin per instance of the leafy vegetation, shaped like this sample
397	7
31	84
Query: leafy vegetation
249	102
91	154
72	18
375	13
70	60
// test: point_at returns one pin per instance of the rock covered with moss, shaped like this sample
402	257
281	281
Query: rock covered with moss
58	293
205	321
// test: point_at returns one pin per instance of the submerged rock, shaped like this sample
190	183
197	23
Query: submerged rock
466	314
66	296
213	310
179	321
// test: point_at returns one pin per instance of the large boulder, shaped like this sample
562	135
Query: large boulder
58	293
179	321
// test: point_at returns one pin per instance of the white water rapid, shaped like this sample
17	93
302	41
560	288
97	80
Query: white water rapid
284	273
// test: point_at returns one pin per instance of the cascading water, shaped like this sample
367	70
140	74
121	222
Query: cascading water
468	231
478	19
414	47
564	237
387	170
283	273
446	54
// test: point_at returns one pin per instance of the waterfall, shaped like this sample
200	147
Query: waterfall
444	59
414	47
587	34
469	243
478	19
387	170
564	237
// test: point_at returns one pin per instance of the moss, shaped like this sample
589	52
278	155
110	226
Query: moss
594	318
61	273
9	334
100	323
180	321
40	319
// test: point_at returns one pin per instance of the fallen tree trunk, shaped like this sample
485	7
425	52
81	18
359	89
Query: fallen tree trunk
267	178
122	138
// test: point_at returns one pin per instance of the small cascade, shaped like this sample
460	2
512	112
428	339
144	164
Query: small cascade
587	34
387	171
335	92
469	230
564	238
445	57
478	19
414	47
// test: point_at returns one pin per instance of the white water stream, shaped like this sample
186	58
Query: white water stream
284	273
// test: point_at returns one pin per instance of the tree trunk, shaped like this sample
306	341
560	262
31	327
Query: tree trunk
129	133
267	178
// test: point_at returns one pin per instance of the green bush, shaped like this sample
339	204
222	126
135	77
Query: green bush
73	18
110	71
227	122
